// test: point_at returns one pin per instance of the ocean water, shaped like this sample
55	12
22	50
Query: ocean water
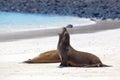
18	21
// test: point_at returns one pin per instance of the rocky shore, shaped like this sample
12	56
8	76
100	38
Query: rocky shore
102	9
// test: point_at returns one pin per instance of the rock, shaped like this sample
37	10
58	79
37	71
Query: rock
102	9
69	26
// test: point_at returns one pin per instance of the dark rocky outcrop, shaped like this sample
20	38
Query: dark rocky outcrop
103	9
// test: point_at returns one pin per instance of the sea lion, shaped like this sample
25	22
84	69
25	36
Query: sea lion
46	57
71	57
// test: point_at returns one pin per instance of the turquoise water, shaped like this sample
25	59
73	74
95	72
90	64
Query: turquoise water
10	20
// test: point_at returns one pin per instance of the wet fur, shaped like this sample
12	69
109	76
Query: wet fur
71	57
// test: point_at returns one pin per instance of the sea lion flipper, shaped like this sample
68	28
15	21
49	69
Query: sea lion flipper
104	65
28	61
94	65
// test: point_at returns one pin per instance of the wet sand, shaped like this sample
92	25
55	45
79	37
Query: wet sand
100	25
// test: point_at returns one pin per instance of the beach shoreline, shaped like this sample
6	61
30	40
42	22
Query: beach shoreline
46	32
101	39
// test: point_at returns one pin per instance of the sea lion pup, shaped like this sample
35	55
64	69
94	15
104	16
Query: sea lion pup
71	57
46	57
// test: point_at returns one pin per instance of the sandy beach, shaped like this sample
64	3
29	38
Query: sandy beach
101	39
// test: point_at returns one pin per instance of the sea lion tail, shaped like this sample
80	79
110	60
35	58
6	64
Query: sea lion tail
104	65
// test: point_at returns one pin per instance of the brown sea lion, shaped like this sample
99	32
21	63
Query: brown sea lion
46	57
71	57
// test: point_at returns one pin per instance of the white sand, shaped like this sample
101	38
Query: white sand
104	44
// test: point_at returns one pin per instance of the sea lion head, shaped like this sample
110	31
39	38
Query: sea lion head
61	35
64	38
63	30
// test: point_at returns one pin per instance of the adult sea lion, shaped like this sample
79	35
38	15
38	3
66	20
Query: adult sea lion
46	57
71	57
